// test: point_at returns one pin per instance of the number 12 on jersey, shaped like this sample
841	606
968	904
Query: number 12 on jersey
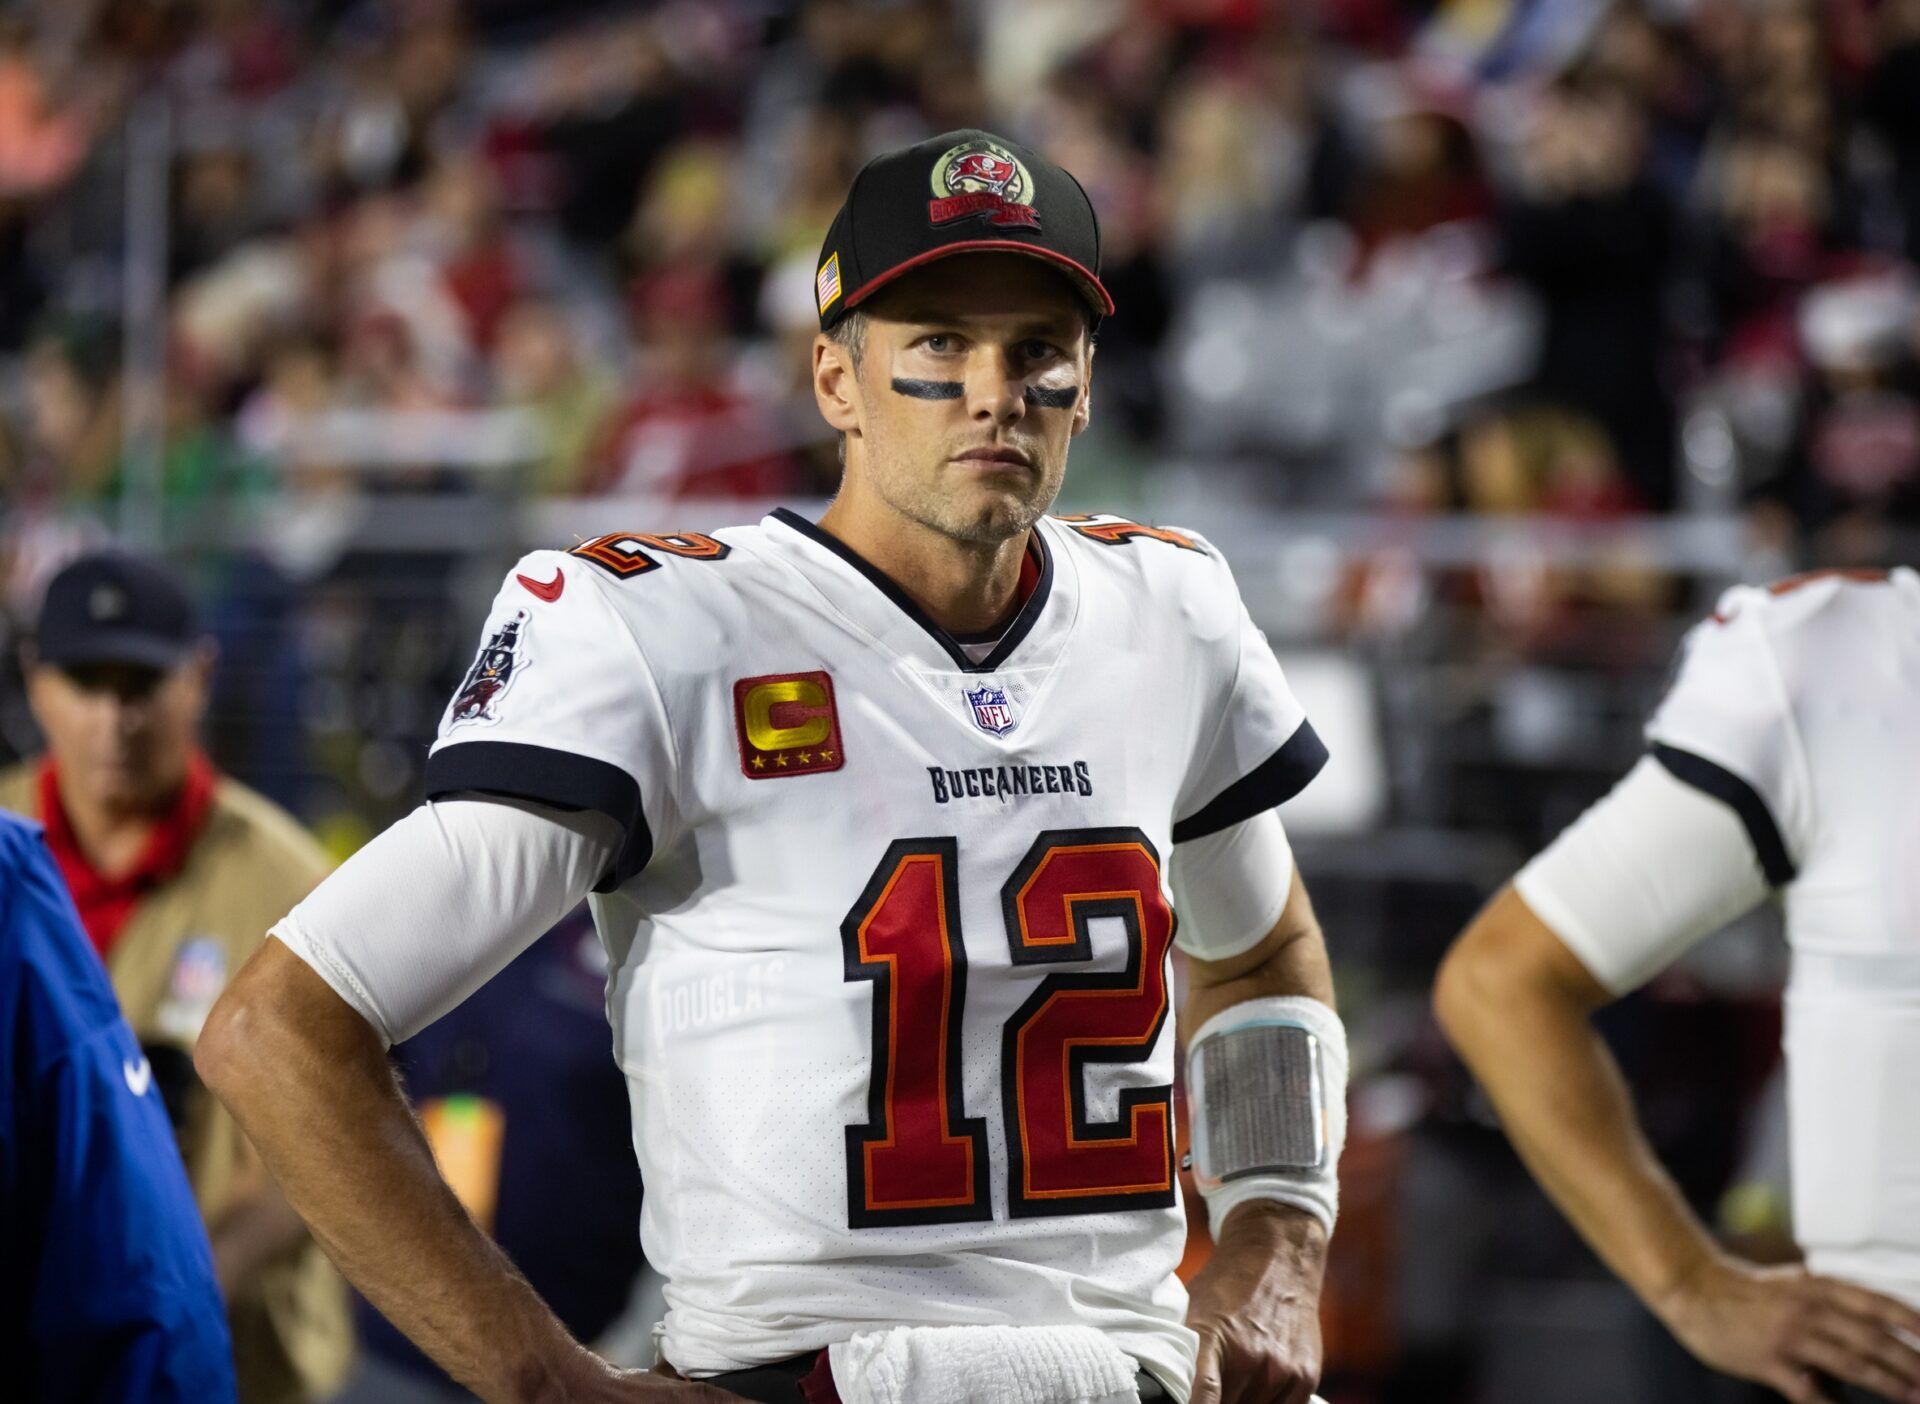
918	1158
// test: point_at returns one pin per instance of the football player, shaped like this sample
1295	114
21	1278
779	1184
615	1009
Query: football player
886	819
1782	762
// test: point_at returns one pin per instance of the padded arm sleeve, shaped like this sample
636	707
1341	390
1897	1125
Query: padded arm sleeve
1230	887
437	905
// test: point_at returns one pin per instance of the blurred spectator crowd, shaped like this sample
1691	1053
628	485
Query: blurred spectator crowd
1395	263
1570	257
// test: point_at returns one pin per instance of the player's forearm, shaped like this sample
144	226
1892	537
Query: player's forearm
1524	1031
1291	962
310	1085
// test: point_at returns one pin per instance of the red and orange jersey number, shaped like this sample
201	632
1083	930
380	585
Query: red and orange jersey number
1060	1161
626	553
1116	532
918	1158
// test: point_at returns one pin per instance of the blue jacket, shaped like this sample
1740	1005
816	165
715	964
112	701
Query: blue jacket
107	1289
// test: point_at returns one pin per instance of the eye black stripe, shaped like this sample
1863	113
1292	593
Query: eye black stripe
927	389
1041	397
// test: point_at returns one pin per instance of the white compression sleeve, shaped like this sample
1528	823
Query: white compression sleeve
1651	868
1229	888
434	907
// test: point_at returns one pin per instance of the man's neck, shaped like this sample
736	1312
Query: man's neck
112	837
965	587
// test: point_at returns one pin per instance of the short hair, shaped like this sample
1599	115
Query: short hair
850	333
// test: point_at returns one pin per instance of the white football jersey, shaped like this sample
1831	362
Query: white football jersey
889	933
1798	708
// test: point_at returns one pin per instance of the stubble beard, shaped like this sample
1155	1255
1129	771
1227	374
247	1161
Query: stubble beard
988	521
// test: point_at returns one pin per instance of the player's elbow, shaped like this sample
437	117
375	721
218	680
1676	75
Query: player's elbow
223	1053
275	1019
232	1053
1463	987
1505	963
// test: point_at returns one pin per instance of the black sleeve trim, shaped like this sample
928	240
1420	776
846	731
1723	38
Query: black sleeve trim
1274	781
1722	784
559	778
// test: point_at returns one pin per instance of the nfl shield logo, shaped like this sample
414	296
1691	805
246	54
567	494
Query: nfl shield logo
991	710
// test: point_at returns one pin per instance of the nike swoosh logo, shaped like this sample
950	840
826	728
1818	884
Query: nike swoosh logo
549	591
139	1079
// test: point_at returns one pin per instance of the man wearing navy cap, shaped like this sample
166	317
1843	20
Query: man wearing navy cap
176	872
886	818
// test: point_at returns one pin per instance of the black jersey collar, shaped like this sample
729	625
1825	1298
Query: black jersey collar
1022	624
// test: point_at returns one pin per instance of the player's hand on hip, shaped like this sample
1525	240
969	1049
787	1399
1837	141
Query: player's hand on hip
1785	1327
1256	1306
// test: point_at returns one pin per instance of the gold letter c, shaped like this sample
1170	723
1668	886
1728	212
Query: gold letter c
761	701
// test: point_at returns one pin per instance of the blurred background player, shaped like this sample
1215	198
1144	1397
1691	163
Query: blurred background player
1781	762
107	1293
176	872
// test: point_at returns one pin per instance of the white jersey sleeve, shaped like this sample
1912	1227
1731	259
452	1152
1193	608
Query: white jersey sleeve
437	904
561	708
1648	870
1718	812
1231	868
1726	727
1230	887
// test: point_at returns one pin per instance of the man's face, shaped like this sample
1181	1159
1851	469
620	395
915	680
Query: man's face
121	734
973	380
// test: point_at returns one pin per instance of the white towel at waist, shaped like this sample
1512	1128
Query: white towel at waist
972	1364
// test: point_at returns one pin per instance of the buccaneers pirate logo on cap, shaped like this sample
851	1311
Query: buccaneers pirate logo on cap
983	179
988	194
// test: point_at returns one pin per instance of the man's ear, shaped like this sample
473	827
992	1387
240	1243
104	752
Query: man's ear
836	388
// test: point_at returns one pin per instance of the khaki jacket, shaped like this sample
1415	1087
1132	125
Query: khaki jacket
292	1334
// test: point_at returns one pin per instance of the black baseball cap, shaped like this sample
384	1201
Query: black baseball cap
110	607
964	192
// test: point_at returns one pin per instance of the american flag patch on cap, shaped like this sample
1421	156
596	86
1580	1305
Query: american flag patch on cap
826	284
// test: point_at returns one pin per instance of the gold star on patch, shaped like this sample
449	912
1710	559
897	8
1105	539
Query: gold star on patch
780	761
806	757
826	755
759	763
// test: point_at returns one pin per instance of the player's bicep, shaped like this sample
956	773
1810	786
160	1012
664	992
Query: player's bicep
1650	869
434	907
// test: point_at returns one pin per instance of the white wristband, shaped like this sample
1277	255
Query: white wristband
1310	1183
